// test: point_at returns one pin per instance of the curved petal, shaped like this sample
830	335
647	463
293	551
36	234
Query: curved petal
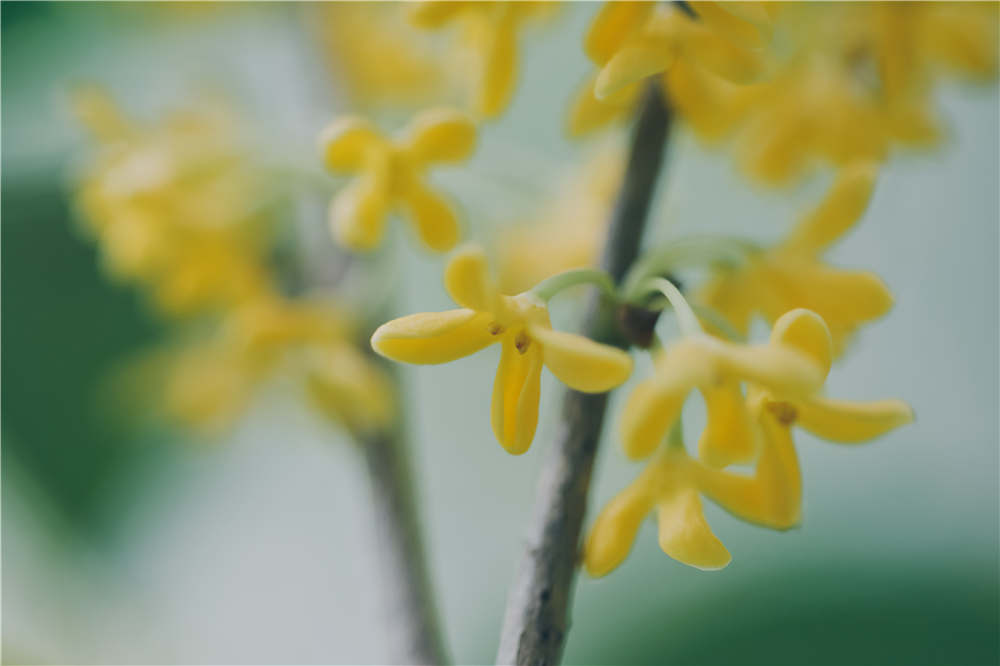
581	363
515	396
686	536
779	368
641	58
467	279
728	438
357	214
655	404
432	14
441	135
435	222
612	26
346	141
772	497
718	18
499	67
837	213
805	331
588	114
851	422
349	388
615	529
434	337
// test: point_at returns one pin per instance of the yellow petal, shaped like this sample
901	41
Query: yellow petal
805	331
772	497
436	224
441	135
615	529
467	279
838	212
641	58
434	13
653	407
346	141
434	337
588	114
727	438
357	214
779	368
612	26
500	67
839	296
349	388
718	55
581	363
852	422
686	536
515	396
716	15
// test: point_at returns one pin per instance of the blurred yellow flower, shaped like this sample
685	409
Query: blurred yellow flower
521	325
390	176
855	78
210	383
174	207
790	275
490	30
568	231
699	60
380	59
670	35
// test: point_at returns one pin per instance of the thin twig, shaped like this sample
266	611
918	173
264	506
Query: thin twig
536	620
410	626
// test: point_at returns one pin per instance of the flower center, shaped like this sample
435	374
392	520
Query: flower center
522	341
496	328
784	412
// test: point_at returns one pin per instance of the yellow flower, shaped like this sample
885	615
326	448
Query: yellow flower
643	40
717	368
783	377
521	325
391	176
173	206
727	46
773	497
209	383
857	78
790	275
380	59
491	32
669	484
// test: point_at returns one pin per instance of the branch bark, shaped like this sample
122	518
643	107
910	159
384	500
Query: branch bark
536	620
411	623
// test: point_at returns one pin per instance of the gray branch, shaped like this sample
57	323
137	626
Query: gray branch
411	627
536	620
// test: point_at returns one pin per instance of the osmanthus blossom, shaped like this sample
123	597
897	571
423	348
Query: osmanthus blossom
791	274
783	379
490	30
700	59
174	206
521	325
851	80
391	176
208	384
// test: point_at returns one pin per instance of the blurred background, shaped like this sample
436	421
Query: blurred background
127	544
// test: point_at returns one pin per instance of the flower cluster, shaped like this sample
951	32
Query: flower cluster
179	210
795	84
